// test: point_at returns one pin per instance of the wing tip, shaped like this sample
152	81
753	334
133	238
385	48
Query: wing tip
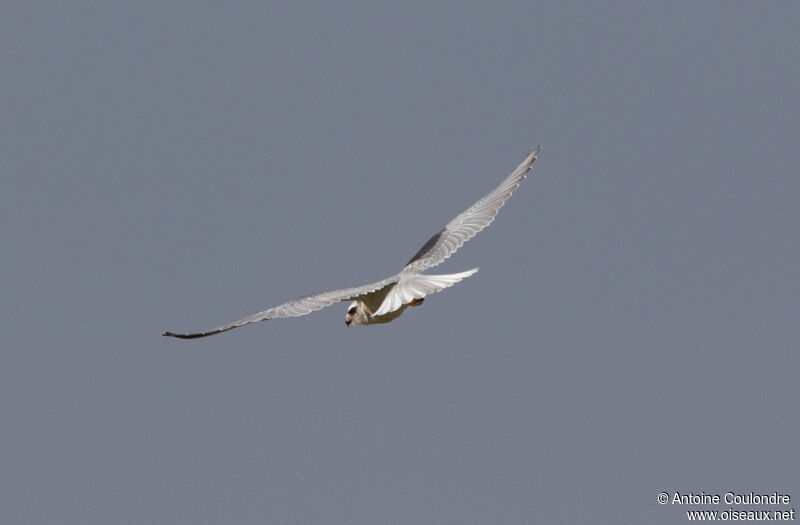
533	155
191	336
179	336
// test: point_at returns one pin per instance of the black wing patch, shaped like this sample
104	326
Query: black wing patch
427	246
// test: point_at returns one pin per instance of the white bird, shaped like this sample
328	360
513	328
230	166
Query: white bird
386	300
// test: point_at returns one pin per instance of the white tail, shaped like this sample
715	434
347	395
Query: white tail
416	286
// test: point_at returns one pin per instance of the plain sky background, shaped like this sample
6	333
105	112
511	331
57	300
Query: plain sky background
177	165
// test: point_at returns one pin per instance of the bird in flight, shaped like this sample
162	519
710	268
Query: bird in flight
386	300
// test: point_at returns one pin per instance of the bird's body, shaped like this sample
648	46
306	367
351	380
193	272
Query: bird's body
362	310
386	300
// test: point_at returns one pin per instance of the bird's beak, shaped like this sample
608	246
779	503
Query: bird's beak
347	323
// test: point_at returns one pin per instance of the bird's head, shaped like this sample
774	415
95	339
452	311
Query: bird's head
352	311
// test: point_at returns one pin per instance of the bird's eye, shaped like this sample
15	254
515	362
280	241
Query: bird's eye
352	310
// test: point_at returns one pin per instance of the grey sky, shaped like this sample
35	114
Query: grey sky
178	165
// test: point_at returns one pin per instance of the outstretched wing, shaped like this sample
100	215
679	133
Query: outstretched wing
296	307
469	223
